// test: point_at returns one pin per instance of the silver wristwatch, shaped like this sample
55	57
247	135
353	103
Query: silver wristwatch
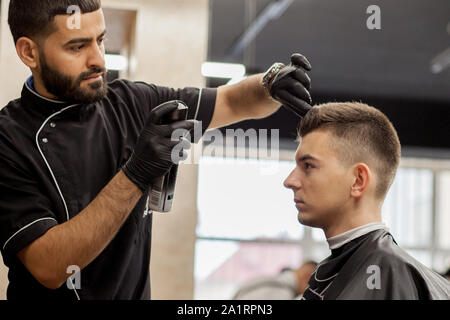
270	74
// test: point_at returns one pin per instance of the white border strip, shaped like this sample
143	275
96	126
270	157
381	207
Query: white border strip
198	104
42	97
28	225
45	160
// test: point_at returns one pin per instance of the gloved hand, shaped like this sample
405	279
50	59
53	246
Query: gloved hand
152	156
291	85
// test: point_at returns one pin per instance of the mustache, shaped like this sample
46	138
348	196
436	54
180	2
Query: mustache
92	71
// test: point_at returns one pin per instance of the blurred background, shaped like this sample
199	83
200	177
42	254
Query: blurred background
231	222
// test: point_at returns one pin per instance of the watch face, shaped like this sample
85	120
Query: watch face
273	70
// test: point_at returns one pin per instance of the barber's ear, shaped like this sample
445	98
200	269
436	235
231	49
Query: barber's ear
28	52
362	176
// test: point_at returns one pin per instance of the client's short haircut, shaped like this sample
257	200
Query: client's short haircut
361	134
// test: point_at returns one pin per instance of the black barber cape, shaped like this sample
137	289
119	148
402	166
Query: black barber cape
374	267
55	158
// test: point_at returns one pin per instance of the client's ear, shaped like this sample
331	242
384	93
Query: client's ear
362	177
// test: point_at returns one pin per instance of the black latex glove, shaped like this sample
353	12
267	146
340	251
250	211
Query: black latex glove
291	86
152	156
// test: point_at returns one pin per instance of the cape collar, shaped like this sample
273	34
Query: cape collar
343	238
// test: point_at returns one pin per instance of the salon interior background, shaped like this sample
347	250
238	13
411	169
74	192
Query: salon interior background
219	235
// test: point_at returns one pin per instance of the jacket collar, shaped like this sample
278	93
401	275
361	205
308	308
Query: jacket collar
32	99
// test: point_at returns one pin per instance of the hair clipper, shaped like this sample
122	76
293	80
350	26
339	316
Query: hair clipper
163	189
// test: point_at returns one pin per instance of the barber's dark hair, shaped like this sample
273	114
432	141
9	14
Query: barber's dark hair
361	134
34	19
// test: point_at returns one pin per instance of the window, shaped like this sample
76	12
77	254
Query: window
254	207
441	253
222	266
408	207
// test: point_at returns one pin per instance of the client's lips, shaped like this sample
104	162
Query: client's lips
298	201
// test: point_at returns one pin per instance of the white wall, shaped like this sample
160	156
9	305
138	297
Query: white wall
13	71
171	44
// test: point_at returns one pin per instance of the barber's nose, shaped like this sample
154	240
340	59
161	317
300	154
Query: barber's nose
293	180
97	57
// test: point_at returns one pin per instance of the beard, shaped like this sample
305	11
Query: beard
67	88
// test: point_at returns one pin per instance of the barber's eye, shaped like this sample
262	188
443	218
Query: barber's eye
78	48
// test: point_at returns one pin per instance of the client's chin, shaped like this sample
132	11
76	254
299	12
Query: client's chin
306	220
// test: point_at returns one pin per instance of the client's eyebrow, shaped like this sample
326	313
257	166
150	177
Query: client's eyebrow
84	40
307	157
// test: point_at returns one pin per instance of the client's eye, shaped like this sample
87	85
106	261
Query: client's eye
308	166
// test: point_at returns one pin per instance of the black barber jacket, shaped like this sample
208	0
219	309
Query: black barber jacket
55	158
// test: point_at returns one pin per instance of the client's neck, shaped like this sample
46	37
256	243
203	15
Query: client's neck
356	216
